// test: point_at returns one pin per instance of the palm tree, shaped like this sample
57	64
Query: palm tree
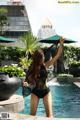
30	42
30	45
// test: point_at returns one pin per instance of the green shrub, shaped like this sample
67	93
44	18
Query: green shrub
74	68
68	78
65	75
13	70
74	64
11	53
25	62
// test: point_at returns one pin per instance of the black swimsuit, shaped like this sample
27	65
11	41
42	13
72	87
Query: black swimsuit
40	93
41	89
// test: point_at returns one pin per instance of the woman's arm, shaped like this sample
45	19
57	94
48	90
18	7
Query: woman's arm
54	59
26	81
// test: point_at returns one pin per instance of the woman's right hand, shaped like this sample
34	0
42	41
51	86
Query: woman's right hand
61	40
25	84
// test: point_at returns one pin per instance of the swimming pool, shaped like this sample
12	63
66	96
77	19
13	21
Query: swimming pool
66	101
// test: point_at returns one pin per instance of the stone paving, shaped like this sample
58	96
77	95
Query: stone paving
17	116
14	104
28	117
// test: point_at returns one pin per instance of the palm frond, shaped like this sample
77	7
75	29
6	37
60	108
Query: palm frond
31	43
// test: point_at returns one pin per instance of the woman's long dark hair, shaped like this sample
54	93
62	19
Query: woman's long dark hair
37	58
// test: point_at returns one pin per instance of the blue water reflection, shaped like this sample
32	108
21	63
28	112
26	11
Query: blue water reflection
66	101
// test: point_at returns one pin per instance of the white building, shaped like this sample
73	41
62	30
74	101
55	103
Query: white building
46	29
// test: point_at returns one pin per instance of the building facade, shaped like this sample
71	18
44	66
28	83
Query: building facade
46	30
18	21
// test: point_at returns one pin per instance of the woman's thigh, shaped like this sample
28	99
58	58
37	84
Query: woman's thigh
33	104
47	100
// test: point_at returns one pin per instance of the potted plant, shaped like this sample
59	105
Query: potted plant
10	80
13	70
65	78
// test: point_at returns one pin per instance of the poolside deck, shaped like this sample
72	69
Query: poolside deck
14	104
77	84
28	117
77	81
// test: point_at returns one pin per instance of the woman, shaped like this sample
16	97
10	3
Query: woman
37	76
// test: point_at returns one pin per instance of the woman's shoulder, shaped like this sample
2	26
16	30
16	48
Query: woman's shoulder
43	67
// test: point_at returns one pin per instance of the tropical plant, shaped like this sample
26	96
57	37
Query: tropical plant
30	42
74	68
65	75
71	53
25	62
3	18
11	53
74	63
65	78
13	70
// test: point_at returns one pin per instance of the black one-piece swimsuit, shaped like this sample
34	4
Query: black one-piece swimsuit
40	89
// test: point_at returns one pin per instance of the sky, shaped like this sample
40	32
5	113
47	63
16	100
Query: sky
65	18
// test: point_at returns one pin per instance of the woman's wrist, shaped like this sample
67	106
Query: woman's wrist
61	44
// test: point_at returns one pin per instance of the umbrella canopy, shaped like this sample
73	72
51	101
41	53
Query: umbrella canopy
55	39
6	40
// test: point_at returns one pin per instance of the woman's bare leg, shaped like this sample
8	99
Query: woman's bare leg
47	100
34	104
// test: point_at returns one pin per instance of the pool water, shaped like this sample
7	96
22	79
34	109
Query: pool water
66	101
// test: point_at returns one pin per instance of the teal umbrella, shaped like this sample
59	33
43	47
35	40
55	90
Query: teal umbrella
6	40
55	39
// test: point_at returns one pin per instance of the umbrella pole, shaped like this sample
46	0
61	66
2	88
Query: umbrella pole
50	47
